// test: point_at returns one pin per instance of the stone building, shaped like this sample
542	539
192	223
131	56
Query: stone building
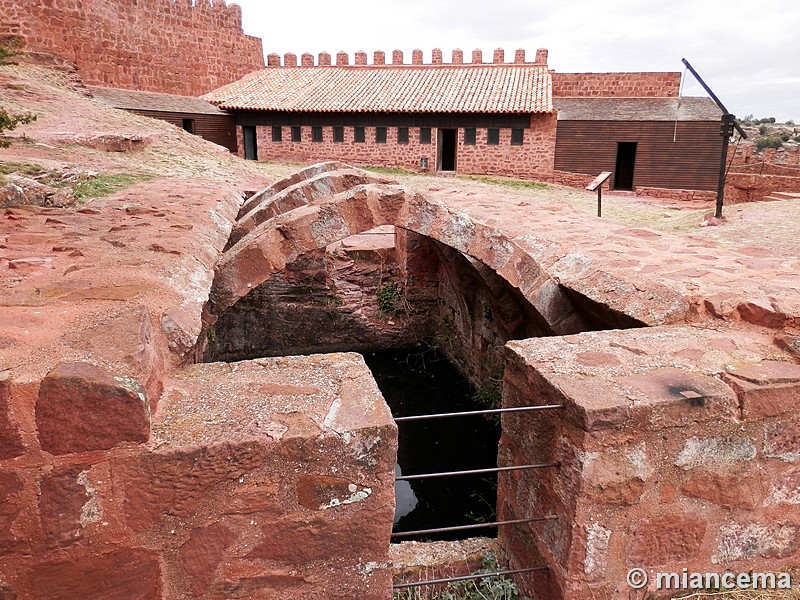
518	119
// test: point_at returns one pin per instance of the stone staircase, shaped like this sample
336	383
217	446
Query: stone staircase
783	196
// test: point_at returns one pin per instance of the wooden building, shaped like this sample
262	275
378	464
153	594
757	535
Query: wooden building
193	115
646	142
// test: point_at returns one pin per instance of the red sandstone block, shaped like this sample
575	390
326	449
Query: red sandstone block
10	439
10	485
82	407
782	440
665	540
61	500
119	573
202	553
727	490
768	389
300	539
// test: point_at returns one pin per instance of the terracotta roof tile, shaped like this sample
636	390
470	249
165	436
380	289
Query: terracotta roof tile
488	88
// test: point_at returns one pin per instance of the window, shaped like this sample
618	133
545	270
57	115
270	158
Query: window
316	134
188	125
517	136
424	135
380	135
469	136
493	136
277	133
402	135
338	134
297	132
358	135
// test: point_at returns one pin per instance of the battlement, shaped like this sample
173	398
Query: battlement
398	59
173	46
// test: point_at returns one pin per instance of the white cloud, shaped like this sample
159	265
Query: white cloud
747	52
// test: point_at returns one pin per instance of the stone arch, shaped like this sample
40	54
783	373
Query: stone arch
279	240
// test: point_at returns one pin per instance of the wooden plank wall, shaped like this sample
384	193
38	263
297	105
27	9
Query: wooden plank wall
220	129
691	161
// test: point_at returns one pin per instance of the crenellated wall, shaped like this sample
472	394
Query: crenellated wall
342	59
165	46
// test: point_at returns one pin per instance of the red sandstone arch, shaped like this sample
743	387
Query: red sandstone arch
320	181
278	241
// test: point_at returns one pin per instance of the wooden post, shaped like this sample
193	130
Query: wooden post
597	184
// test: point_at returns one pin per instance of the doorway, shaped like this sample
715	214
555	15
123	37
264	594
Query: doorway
447	149
250	143
626	161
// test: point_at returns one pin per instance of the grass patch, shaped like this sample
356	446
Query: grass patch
490	588
105	185
25	169
391	171
521	184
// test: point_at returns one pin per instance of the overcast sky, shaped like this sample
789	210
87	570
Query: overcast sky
748	52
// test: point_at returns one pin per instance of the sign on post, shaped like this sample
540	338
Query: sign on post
597	184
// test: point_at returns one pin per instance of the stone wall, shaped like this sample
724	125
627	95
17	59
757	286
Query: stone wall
672	454
152	45
533	158
753	187
623	85
126	474
323	302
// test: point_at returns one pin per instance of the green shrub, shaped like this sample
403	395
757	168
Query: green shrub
786	137
762	129
389	298
771	141
9	121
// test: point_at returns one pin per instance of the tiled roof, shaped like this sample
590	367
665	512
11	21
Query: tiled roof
134	100
637	109
488	88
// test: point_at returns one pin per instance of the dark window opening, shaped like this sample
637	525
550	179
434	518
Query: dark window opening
338	134
469	136
316	134
188	125
626	162
402	135
358	135
250	143
447	149
297	133
277	134
493	136
380	135
517	137
424	135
